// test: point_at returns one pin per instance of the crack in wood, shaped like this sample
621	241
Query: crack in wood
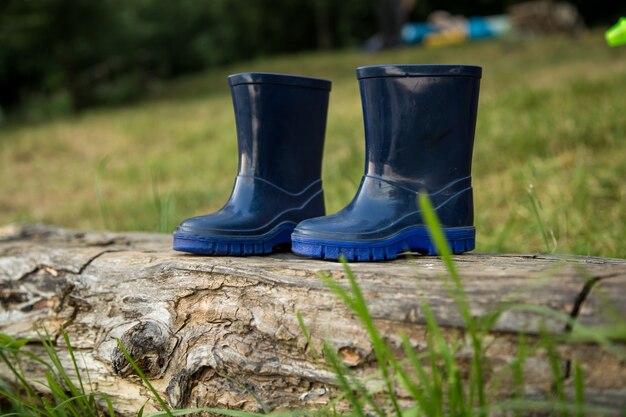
93	258
575	312
212	331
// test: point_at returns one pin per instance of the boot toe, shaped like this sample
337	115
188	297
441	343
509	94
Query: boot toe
219	234
206	224
332	226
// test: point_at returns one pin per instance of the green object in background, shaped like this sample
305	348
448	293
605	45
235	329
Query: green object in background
616	35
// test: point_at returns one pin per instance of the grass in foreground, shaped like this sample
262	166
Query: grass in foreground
550	116
437	378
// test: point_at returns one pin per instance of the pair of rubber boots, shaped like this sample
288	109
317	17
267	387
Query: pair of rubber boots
419	134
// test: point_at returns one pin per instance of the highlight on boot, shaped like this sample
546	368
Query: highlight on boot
419	134
281	122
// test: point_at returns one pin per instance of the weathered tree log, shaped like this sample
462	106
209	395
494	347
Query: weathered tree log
223	331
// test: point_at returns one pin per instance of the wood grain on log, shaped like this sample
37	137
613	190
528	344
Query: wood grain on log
223	331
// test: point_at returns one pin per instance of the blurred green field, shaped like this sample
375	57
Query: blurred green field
552	117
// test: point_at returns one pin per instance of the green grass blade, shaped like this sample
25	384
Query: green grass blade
443	248
440	349
143	377
581	333
307	335
549	408
342	380
381	349
103	208
109	405
70	350
219	411
518	388
356	302
11	343
14	347
579	390
20	402
555	367
258	400
416	363
534	204
67	403
237	413
68	384
437	391
59	396
20	377
415	391
163	205
422	393
437	235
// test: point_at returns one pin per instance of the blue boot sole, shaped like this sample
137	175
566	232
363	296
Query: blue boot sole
415	239
233	245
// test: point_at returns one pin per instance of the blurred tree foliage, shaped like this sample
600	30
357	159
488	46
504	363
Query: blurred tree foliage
108	51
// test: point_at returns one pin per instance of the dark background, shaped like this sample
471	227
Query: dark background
96	52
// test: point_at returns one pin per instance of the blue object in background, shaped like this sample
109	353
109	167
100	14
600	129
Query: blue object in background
281	122
489	27
478	28
419	135
415	32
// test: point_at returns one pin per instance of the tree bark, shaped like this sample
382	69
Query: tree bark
223	331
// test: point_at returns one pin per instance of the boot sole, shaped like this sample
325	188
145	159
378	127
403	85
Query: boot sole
232	245
416	239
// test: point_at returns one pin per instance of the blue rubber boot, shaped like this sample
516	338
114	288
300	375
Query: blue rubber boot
281	121
419	134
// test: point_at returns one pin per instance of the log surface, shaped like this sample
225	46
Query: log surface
223	331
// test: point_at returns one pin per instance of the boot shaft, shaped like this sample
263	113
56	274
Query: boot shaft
281	122
419	122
